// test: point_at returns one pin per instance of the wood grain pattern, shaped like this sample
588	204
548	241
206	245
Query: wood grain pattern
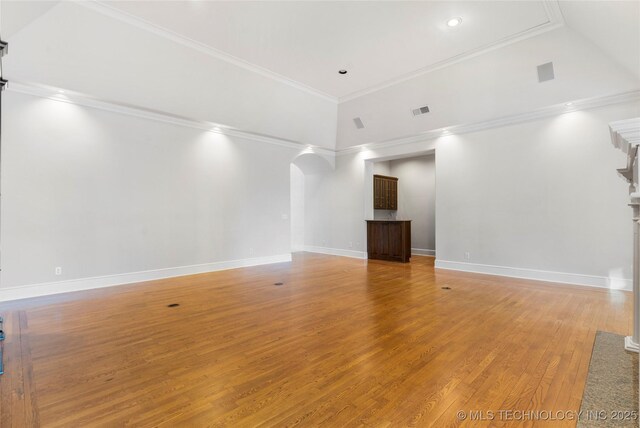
389	240
343	342
385	192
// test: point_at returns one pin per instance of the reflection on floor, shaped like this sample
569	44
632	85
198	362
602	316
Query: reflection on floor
342	341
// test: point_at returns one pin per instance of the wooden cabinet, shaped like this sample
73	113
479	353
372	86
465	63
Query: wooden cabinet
389	240
385	192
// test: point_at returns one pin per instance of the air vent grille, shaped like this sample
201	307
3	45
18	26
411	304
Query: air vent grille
545	72
358	123
420	110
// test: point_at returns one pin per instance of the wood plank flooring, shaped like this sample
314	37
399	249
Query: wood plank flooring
343	342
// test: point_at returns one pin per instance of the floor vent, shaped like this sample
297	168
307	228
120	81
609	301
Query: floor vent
173	305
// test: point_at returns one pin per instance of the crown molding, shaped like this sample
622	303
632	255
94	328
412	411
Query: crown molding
84	100
71	97
112	12
555	20
541	113
551	7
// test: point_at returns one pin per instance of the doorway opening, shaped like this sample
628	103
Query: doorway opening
416	196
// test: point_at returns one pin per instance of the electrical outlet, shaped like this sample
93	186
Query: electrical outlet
285	216
350	244
251	251
467	255
58	270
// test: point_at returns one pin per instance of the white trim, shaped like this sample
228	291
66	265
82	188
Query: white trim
423	252
52	93
541	113
120	15
336	252
48	288
538	275
84	100
630	345
625	133
555	20
552	9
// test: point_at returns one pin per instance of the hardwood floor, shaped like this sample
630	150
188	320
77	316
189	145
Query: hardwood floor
342	343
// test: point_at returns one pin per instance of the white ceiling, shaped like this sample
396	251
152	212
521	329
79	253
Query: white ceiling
613	26
377	42
18	14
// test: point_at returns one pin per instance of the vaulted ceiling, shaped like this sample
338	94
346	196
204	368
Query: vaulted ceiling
376	42
272	67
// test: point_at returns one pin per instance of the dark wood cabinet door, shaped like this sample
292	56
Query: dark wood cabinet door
389	240
393	194
395	240
378	202
385	192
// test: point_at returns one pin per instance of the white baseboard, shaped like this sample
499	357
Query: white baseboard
336	252
48	288
630	345
422	252
539	275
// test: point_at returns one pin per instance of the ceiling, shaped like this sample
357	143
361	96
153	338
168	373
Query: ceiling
18	14
613	26
377	42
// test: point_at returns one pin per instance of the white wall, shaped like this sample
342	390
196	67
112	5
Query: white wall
495	84
334	208
532	198
100	193
382	168
542	195
417	199
78	49
297	209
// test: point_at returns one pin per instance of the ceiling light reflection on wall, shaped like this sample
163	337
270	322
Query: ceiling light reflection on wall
454	22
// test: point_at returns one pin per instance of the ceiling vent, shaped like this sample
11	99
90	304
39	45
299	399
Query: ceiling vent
420	110
545	72
358	123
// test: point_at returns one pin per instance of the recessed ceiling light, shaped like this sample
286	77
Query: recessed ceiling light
342	71
61	91
569	104
217	128
454	22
